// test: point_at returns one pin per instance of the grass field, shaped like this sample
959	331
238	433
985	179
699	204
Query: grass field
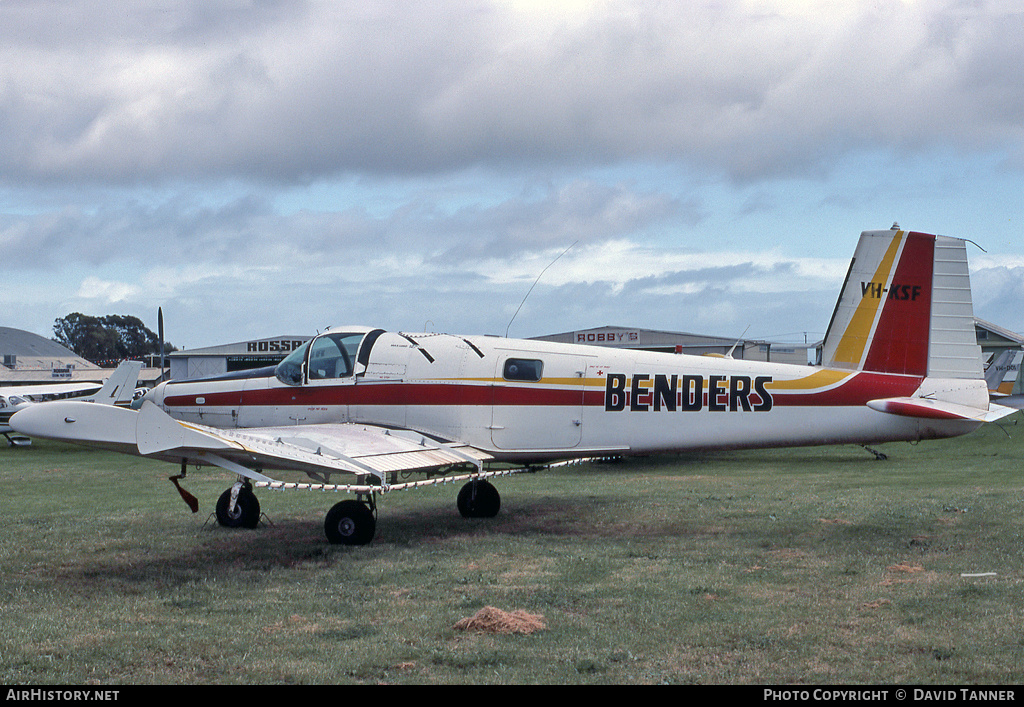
819	565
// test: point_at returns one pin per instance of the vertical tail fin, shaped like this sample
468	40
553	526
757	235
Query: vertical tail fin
1001	374
905	308
120	386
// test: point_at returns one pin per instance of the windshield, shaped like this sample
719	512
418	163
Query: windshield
327	357
289	371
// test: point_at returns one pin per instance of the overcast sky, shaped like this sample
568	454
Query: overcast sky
277	167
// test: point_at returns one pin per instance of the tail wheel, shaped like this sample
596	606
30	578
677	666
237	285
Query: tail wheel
350	523
246	513
479	499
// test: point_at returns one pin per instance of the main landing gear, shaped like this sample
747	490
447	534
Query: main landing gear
351	522
478	499
238	507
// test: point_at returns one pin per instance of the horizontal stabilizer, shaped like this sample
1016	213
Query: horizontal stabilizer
939	410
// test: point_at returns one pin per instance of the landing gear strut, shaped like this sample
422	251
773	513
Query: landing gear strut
241	512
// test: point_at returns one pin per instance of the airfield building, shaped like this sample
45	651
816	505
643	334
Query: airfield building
257	353
683	342
229	358
30	359
994	339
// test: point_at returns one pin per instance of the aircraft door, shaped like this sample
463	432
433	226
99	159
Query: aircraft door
329	379
312	385
538	401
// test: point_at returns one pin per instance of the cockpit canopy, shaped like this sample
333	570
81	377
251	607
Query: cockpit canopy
331	355
12	400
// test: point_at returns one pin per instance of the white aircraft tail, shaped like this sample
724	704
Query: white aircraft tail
120	386
906	308
1001	374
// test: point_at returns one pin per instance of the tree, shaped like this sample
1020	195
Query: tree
106	340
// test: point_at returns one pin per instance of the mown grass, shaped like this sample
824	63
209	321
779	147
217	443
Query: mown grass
818	565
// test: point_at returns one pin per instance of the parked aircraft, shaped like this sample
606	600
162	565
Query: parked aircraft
16	397
119	389
1001	376
901	362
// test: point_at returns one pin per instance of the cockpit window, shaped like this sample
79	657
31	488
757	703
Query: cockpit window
327	357
289	371
332	356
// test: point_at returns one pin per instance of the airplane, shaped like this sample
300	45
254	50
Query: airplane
901	362
113	391
1001	376
16	397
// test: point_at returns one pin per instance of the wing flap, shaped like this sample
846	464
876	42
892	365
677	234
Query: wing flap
366	448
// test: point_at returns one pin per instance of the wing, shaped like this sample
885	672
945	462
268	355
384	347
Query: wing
43	389
317	450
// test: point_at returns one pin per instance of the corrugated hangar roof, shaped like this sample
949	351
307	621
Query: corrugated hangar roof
27	358
1010	336
33	350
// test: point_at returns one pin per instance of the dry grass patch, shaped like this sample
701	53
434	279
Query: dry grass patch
492	620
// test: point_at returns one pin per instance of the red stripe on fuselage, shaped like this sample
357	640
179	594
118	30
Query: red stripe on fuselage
858	389
394	394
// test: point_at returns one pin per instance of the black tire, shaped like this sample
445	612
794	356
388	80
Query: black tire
246	513
350	523
479	499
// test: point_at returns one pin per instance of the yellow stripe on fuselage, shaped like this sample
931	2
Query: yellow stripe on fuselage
818	379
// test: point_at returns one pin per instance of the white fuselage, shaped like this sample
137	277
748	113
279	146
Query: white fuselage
524	399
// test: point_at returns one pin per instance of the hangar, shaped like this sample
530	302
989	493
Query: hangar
30	359
683	342
229	358
257	353
994	339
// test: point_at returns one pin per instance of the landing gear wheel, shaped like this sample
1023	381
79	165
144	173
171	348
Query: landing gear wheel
246	513
479	499
350	523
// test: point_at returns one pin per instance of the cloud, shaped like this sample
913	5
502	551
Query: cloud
289	92
107	292
323	161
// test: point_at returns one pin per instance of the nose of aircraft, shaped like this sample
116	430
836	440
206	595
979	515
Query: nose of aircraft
153	395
